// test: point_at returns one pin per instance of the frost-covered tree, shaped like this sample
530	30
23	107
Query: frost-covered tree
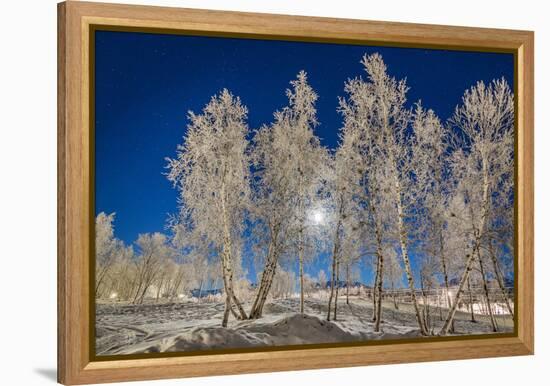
351	253
374	109
108	249
211	172
429	159
310	285
497	250
154	252
381	217
284	284
389	116
178	277
198	259
119	283
499	240
202	272
361	142
289	160
484	159
344	197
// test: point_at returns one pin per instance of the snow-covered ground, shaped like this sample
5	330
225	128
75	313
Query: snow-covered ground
191	326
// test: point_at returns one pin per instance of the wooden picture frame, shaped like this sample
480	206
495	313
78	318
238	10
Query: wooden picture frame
76	365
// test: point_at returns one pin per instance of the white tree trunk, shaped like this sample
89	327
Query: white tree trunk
377	315
337	288
477	243
405	253
301	263
267	277
227	263
472	314
486	292
347	282
445	273
335	252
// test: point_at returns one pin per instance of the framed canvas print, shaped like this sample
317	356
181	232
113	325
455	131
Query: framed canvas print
249	192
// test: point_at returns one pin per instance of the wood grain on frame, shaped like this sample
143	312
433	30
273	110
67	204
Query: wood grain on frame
76	365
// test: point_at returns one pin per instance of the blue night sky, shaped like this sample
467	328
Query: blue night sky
146	83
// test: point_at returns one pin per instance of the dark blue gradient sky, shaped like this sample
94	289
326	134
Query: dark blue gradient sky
146	83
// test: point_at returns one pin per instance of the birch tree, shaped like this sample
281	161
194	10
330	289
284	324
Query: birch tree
350	256
392	118
119	283
344	195
357	130
498	243
107	247
198	258
284	284
486	119
211	172
378	107
153	253
430	167
288	158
